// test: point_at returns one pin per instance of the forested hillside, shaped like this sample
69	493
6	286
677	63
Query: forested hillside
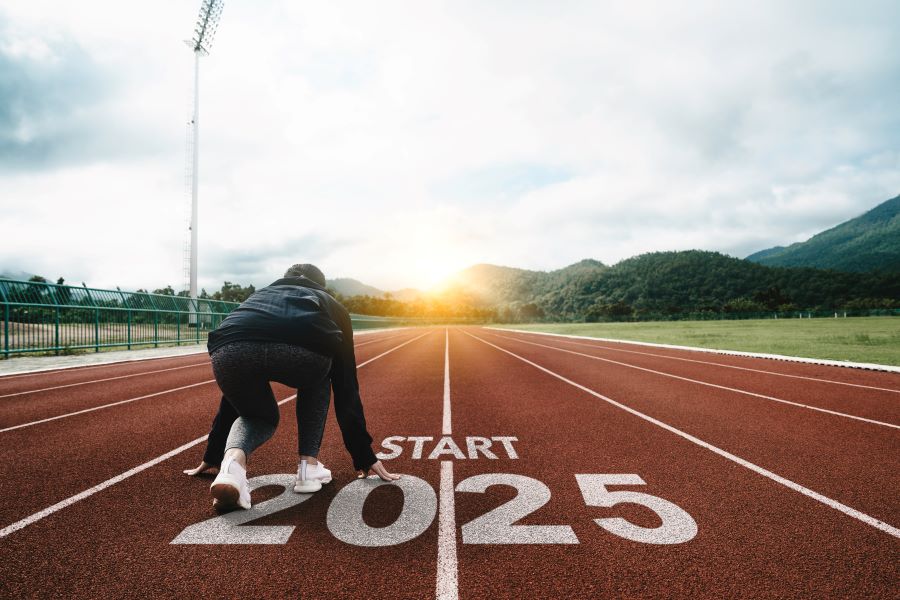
696	281
870	242
668	283
519	294
351	287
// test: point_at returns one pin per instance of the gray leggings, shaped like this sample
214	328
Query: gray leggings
243	371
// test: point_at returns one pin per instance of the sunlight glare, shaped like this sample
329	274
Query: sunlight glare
433	266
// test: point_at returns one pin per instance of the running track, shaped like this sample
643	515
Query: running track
761	479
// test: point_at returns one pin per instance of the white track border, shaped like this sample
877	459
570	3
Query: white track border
115	360
782	357
123	476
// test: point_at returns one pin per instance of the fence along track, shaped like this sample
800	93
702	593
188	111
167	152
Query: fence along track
45	317
50	318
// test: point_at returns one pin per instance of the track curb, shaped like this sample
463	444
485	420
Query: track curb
781	357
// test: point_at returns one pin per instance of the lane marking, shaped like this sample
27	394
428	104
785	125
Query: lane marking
87	410
359	366
706	362
797	359
88	367
851	512
372	342
57	387
447	585
68	385
119	478
114	363
447	429
714	385
102	486
383	339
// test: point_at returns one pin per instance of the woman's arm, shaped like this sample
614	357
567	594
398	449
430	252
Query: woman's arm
348	406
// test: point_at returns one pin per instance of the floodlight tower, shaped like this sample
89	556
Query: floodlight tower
204	32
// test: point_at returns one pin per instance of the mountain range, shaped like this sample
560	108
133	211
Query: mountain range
17	275
855	264
870	242
351	287
346	286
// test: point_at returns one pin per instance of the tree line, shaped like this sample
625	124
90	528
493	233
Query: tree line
659	285
654	286
229	292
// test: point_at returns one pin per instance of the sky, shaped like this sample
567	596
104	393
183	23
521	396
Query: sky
399	142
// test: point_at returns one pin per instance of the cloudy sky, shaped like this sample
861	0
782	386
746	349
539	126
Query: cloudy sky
396	142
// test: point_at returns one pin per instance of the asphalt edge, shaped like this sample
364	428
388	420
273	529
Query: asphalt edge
781	357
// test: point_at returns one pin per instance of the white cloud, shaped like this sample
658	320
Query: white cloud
333	129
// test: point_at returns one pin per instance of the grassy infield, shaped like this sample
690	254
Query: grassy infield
857	339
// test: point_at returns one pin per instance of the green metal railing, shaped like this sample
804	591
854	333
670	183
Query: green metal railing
43	317
61	319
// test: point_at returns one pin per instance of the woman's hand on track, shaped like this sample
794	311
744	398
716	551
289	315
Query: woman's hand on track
201	469
379	470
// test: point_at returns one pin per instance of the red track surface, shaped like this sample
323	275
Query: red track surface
730	447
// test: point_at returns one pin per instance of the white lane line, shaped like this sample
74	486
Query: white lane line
781	357
360	345
102	486
447	569
381	339
706	362
118	478
79	368
87	410
852	512
123	361
68	385
447	587
714	385
392	349
447	429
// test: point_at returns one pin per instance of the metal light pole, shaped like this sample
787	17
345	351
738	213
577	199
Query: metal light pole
204	32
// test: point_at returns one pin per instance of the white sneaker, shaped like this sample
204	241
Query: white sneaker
230	488
311	477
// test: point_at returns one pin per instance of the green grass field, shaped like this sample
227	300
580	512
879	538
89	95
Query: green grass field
858	339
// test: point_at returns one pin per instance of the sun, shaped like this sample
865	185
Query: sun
432	267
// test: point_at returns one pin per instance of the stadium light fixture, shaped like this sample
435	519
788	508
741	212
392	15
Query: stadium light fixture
200	43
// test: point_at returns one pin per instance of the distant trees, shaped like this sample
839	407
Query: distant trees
872	303
743	305
63	293
674	283
660	285
531	312
230	292
771	298
233	292
166	291
440	307
600	311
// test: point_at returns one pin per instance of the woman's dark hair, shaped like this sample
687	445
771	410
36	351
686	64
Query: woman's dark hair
311	272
